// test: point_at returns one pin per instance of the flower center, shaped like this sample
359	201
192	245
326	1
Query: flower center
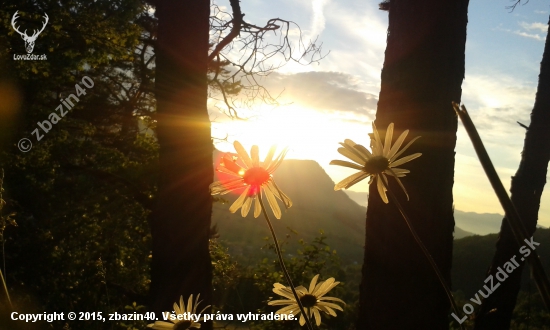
256	176
376	164
182	325
308	300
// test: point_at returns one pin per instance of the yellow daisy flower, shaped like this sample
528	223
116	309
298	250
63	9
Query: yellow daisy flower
255	177
186	321
383	160
313	300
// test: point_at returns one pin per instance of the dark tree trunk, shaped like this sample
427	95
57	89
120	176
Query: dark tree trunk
180	222
527	186
423	72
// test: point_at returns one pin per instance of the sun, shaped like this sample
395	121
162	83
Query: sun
309	134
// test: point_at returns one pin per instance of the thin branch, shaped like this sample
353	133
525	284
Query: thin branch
512	7
235	30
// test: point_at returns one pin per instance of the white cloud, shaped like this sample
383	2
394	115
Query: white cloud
541	12
356	39
529	35
334	91
508	95
527	29
534	26
318	19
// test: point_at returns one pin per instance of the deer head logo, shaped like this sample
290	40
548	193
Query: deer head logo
29	40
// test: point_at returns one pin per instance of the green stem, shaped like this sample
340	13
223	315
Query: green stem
424	250
512	215
6	289
283	267
2	238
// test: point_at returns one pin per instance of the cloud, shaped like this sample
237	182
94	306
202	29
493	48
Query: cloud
529	35
541	12
318	19
534	26
355	34
333	91
527	29
496	101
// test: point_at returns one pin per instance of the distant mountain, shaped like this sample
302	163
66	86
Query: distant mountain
360	198
467	223
478	223
459	233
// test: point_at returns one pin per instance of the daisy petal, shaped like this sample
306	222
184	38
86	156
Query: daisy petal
358	179
246	206
397	145
363	150
344	183
387	141
405	148
402	187
288	309
326	287
283	291
176	308
405	159
349	142
161	325
358	157
269	157
273	203
279	302
257	207
346	164
275	164
255	156
333	299
327	310
331	305
317	316
313	283
189	304
225	170
239	202
302	320
242	153
398	172
300	289
279	194
227	187
377	142
381	189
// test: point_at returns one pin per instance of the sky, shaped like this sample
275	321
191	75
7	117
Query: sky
324	103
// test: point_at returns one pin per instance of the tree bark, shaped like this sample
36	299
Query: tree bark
526	188
423	72
180	223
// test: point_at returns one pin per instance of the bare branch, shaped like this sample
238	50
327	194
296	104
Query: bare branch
235	30
253	53
512	7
